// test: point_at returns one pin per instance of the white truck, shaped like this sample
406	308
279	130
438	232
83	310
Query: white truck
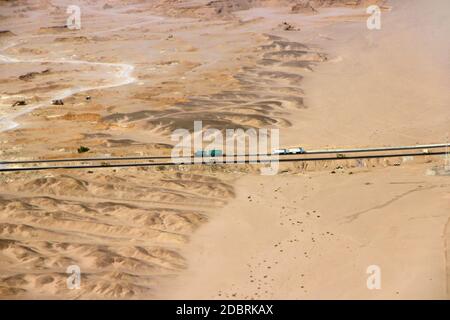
298	150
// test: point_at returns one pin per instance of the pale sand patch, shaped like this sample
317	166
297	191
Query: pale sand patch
313	235
381	87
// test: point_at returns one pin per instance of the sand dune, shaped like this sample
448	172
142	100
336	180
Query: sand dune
125	238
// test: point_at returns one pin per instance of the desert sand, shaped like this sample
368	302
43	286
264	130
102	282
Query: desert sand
150	67
291	243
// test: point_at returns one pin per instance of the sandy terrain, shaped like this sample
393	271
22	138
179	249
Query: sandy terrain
313	236
151	67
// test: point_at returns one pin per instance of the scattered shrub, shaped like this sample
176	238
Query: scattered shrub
83	149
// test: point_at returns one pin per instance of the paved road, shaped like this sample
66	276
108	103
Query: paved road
236	160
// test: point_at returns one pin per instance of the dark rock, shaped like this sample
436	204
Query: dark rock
19	103
58	102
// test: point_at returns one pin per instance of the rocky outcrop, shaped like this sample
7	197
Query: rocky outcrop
6	33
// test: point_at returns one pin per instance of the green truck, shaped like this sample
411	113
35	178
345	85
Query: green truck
208	153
